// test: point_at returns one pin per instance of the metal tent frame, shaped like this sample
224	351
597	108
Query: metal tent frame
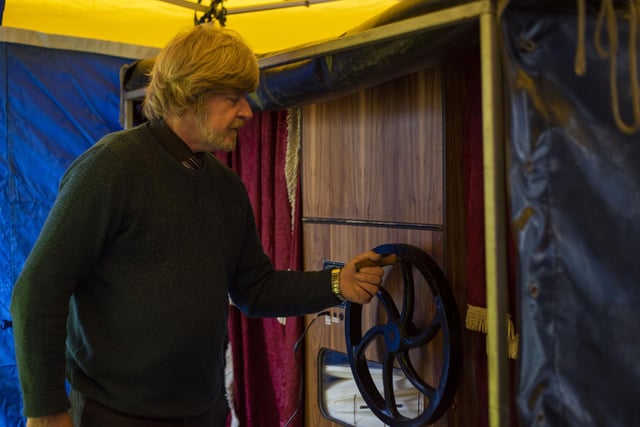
486	13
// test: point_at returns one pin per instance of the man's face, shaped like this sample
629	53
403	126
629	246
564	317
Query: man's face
220	119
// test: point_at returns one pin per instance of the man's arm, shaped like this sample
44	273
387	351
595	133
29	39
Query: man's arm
86	211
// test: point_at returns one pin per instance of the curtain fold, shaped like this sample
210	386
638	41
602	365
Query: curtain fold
266	375
476	284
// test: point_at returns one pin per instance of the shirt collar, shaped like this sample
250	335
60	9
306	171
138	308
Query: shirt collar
174	145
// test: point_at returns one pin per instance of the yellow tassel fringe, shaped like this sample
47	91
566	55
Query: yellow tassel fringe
476	320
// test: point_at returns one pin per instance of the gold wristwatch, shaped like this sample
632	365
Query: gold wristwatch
335	284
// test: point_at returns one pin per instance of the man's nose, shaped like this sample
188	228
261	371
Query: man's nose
245	112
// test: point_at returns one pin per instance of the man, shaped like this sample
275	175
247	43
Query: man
148	237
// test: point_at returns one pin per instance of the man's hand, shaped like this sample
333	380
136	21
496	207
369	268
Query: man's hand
361	277
58	420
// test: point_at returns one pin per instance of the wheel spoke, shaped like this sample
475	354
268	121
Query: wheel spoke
367	339
413	376
389	306
424	336
387	382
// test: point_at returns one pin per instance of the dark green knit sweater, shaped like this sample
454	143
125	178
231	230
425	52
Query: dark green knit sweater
132	270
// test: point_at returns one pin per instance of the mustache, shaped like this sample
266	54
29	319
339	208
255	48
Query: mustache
237	124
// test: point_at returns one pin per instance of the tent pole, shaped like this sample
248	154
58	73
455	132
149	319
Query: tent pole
247	9
494	218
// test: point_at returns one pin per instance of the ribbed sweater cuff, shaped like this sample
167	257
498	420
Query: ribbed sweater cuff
45	403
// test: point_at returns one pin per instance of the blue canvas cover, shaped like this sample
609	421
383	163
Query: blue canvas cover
54	104
575	196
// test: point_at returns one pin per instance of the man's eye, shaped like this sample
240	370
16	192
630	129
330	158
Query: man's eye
234	99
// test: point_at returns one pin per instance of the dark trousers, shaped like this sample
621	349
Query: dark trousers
87	413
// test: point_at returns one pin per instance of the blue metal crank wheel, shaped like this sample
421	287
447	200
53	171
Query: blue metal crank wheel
400	335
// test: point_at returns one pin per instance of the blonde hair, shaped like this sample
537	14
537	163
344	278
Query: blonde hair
196	64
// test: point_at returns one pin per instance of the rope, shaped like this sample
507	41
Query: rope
292	161
607	16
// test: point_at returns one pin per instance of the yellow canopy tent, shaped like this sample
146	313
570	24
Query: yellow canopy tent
61	100
268	25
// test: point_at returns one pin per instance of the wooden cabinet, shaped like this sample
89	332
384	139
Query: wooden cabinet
384	165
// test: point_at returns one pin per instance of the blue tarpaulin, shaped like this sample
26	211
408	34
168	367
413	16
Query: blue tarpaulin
575	198
54	105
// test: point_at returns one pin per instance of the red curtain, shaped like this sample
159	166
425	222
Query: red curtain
266	375
474	207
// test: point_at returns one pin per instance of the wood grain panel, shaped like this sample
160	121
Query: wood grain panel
340	243
376	155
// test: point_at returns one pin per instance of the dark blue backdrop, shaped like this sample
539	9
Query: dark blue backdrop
54	104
